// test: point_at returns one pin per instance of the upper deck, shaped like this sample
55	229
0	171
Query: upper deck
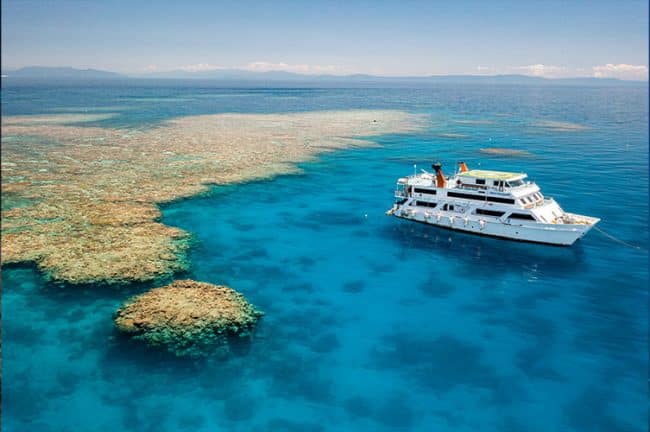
492	175
489	180
494	186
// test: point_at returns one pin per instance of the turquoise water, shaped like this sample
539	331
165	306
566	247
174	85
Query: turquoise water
372	323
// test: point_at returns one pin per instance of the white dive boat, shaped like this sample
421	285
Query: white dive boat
491	203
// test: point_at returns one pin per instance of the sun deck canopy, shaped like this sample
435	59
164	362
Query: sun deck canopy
492	175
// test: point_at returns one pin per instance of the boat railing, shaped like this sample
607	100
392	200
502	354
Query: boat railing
472	186
475	187
521	186
535	204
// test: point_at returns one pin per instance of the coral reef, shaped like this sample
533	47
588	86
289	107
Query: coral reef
188	318
81	200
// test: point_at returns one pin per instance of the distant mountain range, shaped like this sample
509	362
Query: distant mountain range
42	73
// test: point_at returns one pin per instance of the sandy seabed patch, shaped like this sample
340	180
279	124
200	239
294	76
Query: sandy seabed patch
91	192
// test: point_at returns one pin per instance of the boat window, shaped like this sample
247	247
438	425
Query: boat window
521	216
426	204
425	191
481	198
495	183
451	207
515	183
489	212
501	200
480	181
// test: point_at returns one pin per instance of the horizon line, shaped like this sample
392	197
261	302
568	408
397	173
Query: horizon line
6	73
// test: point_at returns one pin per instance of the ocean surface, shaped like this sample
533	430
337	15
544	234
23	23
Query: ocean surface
372	323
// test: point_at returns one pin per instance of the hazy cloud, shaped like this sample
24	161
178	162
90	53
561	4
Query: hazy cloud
200	67
542	70
263	66
621	71
485	69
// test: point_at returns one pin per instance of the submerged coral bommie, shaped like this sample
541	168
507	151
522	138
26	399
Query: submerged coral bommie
188	318
88	195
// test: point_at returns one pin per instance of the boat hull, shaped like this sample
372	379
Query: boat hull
553	234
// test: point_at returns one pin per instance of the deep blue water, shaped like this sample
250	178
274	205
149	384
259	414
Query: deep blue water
372	323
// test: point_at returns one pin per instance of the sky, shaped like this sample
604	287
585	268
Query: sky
549	38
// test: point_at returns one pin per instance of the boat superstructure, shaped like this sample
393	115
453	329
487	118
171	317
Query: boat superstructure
493	203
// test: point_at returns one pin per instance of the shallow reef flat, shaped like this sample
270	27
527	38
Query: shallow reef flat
88	194
558	126
188	318
474	122
62	119
452	135
505	152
